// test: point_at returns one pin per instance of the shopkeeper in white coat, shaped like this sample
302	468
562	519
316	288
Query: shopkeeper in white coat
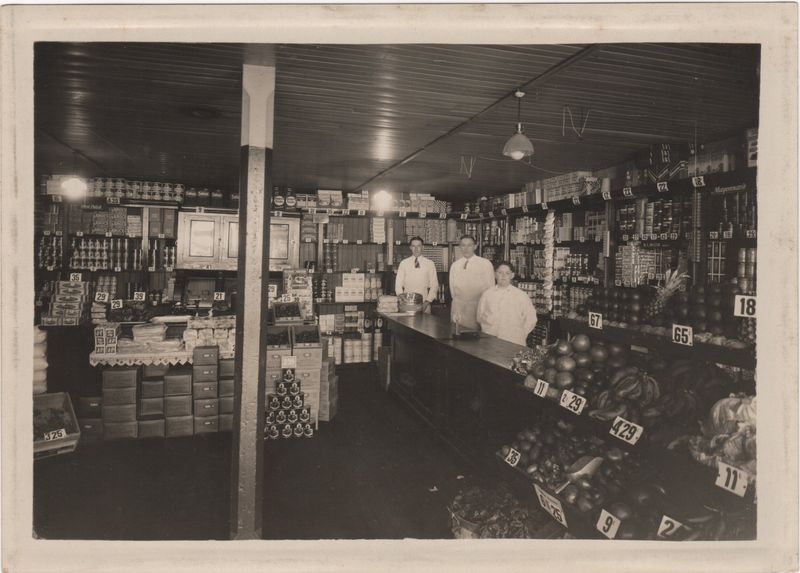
504	310
470	276
417	274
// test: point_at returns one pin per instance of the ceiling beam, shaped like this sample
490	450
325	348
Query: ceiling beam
534	82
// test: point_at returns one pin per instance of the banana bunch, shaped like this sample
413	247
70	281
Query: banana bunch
632	392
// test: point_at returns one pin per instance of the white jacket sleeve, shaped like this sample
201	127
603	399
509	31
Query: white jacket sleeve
433	283
400	280
489	277
528	312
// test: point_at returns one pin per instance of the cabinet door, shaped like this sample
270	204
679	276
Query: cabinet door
229	253
199	241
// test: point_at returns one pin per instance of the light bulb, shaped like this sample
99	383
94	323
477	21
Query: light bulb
74	187
517	155
382	200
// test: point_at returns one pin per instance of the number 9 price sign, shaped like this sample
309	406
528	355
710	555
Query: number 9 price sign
608	524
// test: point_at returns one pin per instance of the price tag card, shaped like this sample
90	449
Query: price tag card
682	335
59	233
336	241
608	524
713	235
544	205
312	210
345	242
627	192
699	181
635	237
596	281
659	277
50	267
117	269
606	195
112	200
750	234
653	237
219	295
116	304
402	213
551	505
673	236
330	211
108	233
278	213
732	479
101	297
307	240
464	216
139	296
572	402
326	241
443	215
618	283
669	527
626	431
57	198
598	238
596	320
435	244
75	277
625	237
558	240
662	186
524	208
288	361
727	234
151	269
540	388
397	242
359	242
55	435
744	306
47	233
663	236
503	212
423	215
361	212
161	236
512	458
576	200
582	240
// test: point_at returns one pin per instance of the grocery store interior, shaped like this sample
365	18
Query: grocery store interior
178	397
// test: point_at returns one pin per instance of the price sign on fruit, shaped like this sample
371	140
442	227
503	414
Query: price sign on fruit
699	181
464	216
116	304
606	195
668	527
572	402
512	458
732	479
544	205
576	200
75	277
713	235
551	505
219	295
626	431
361	212
662	186
682	335
524	208
538	386
55	435
750	234
627	192
596	320
744	306
101	297
138	296
608	524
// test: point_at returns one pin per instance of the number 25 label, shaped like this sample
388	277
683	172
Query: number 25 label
744	306
682	335
596	320
608	524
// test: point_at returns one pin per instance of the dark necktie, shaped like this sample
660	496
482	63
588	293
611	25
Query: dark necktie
416	262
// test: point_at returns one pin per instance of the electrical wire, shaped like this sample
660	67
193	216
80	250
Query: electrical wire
523	163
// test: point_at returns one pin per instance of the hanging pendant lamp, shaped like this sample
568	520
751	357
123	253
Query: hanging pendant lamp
518	145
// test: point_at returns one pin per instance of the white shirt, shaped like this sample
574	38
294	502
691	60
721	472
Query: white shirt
422	280
507	313
466	287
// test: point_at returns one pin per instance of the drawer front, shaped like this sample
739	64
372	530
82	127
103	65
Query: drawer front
125	413
205	373
206	424
178	406
90	407
152	388
273	376
205	390
226	422
226	367
274	358
119	396
155	370
226	387
179	426
118	431
308	357
152	428
309	380
226	405
120	377
151	407
177	384
91	428
204	355
205	408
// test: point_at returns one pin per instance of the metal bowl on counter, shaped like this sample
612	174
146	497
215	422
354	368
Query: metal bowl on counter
410	303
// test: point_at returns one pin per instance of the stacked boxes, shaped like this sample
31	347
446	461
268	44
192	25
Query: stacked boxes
352	289
358	201
178	403
119	403
377	230
69	305
205	389
105	338
226	372
90	418
215	331
162	223
565	186
152	411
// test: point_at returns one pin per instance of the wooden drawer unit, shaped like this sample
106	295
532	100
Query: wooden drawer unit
309	380
178	384
205	373
119	396
178	406
205	390
274	357
120	430
179	426
114	414
226	367
151	407
91	429
205	356
205	408
91	407
226	405
154	370
226	422
152	428
308	358
273	377
225	387
206	424
125	377
152	388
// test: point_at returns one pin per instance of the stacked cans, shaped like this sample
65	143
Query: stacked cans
287	413
746	270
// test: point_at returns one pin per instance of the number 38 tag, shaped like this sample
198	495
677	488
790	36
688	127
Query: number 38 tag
608	524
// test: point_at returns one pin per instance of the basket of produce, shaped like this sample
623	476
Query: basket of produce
55	426
306	336
409	302
278	338
478	513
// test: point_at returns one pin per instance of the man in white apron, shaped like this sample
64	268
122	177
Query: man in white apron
470	276
504	310
417	274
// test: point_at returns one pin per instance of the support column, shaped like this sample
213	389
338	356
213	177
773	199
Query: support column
247	480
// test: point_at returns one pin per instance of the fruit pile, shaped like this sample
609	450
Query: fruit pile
623	305
492	514
632	395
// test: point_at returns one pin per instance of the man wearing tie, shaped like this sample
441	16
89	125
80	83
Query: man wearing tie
417	274
470	276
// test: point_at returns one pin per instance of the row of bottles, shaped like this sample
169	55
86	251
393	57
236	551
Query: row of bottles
284	200
494	232
49	252
118	254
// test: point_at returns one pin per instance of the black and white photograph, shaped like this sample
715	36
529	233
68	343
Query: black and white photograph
422	290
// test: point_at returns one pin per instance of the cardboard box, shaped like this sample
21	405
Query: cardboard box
152	428
205	390
179	426
90	407
177	406
152	388
206	424
205	355
178	383
120	430
124	413
205	373
205	408
120	377
119	396
225	387
226	422
151	407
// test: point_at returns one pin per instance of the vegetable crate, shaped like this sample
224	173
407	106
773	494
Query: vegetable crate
55	426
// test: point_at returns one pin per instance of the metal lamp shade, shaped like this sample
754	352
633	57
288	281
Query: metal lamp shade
518	146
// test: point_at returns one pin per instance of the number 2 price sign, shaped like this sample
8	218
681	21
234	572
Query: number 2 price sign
551	505
669	527
744	306
596	320
572	402
732	479
682	335
608	524
512	458
626	431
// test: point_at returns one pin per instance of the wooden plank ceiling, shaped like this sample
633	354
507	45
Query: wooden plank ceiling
170	112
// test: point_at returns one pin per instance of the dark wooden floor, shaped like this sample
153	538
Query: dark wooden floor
372	473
